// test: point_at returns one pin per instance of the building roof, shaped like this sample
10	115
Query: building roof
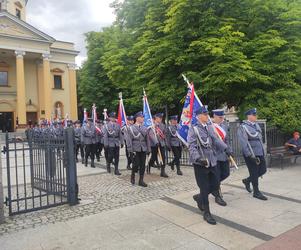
55	45
27	26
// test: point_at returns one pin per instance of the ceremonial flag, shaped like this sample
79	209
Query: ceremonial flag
191	105
122	120
148	120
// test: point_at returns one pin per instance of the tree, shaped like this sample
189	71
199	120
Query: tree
280	108
235	51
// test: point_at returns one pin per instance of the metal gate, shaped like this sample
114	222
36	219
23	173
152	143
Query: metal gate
41	171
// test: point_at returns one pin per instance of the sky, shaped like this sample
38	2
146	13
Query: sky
68	20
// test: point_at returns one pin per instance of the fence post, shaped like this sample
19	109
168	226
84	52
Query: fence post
72	188
1	192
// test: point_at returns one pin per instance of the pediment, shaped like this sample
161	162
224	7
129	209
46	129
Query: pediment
12	26
57	70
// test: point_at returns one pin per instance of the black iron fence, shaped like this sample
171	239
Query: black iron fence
41	171
272	137
276	138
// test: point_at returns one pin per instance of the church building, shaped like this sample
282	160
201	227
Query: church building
37	72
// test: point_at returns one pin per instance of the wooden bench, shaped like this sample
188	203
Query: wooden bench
281	153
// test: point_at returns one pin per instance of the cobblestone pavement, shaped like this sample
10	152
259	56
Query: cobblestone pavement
102	192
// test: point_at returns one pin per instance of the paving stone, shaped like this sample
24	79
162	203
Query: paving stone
103	192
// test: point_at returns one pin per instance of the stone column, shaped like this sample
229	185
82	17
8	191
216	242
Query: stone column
47	86
21	94
39	67
72	91
1	194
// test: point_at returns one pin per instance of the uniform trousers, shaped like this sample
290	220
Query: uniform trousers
98	150
89	151
255	170
155	155
177	152
129	156
79	148
139	162
207	180
113	153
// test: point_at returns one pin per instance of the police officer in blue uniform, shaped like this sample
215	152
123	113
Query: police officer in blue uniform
78	143
158	143
126	131
223	166
250	138
139	146
113	140
203	144
99	139
174	143
88	138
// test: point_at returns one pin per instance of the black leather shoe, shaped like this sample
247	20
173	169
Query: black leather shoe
260	196
199	203
142	183
179	172
128	167
108	168
116	172
247	185
219	200
208	217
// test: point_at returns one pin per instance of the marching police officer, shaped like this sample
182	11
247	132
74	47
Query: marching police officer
250	138
78	143
223	166
113	140
174	143
99	139
139	146
158	143
203	144
125	130
88	139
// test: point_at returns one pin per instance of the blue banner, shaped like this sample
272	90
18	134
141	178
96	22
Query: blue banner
148	122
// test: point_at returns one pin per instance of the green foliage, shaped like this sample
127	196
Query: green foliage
235	51
280	108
